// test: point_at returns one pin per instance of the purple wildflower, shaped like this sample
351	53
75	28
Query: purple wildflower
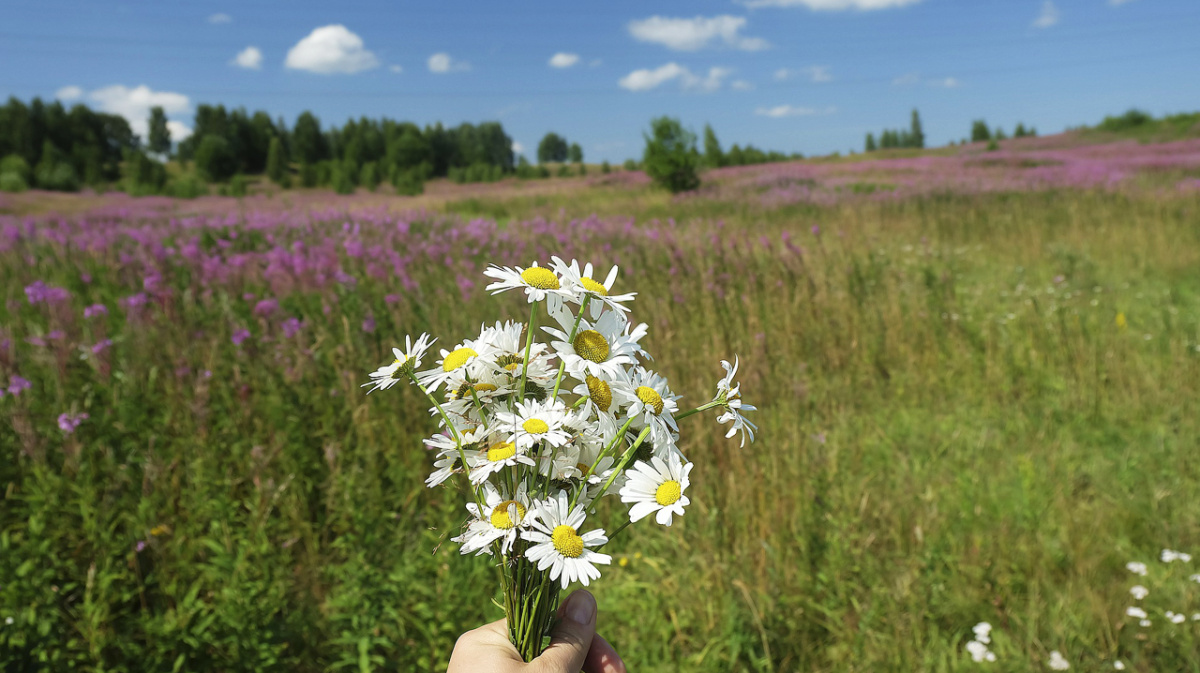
40	292
240	335
134	301
68	423
101	346
391	298
369	324
266	307
291	327
816	230
18	384
95	310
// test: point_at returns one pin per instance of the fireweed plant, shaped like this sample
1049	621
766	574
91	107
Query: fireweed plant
542	431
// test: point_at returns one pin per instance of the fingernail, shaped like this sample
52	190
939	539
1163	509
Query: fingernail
581	607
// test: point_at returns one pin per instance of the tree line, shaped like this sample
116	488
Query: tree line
913	136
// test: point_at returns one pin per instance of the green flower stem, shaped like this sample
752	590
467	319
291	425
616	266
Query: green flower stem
599	457
624	461
704	407
462	455
533	314
478	404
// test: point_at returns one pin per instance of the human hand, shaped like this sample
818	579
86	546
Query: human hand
574	645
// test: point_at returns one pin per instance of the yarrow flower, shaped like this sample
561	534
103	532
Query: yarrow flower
978	648
1136	568
1139	592
1170	556
1057	662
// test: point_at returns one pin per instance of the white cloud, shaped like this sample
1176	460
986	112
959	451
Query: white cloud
517	147
780	111
69	93
907	79
442	63
914	78
249	58
328	50
831	5
596	62
178	130
946	83
134	104
396	68
741	85
817	74
1048	16
646	79
217	19
1118	3
563	60
696	33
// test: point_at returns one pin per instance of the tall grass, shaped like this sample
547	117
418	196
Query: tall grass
972	408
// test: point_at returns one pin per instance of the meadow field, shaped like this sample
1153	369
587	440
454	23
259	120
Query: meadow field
977	376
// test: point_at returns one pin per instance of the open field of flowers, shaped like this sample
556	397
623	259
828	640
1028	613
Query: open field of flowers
977	377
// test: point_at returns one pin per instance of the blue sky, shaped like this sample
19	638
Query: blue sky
794	75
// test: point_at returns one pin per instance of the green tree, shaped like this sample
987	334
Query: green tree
916	135
160	136
143	174
870	145
308	145
713	156
553	147
575	153
670	157
277	162
215	159
980	131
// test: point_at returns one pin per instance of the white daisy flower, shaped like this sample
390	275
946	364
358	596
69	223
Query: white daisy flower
653	405
602	401
657	487
502	519
1139	592
405	361
537	281
729	396
496	453
583	283
1057	662
447	453
600	349
559	547
456	366
535	422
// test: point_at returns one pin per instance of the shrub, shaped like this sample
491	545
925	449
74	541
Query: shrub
670	158
239	185
186	187
12	182
143	175
215	159
15	163
605	168
369	176
408	183
630	165
59	177
1131	119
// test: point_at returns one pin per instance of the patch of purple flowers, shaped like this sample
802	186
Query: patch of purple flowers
68	423
95	310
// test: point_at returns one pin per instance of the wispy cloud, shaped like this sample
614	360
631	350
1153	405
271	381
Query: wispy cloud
780	111
68	93
563	60
914	78
396	68
945	82
250	58
831	5
696	33
442	63
330	50
817	74
646	79
1048	16
218	19
741	85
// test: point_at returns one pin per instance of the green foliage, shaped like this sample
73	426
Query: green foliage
277	168
670	157
575	154
369	176
12	182
870	145
215	159
92	144
713	156
630	165
160	136
15	163
344	177
186	187
1132	119
605	167
993	145
477	172
916	134
310	175
564	171
552	148
143	175
238	186
980	131
408	183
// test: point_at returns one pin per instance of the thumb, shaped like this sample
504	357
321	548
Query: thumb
572	636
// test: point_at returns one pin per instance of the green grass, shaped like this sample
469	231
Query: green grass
953	429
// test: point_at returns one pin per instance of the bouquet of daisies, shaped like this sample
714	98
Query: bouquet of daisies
542	431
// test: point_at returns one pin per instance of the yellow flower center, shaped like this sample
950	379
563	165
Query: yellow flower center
501	451
535	426
400	361
502	519
541	278
567	542
583	469
592	286
511	362
591	345
485	388
600	393
650	398
457	359
668	493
